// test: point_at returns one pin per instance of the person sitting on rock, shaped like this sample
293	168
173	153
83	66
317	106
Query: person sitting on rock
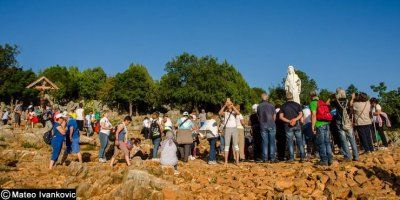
169	151
121	138
72	139
59	131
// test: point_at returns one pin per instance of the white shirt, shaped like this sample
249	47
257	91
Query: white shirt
146	123
79	114
230	121
5	115
307	115
210	125
238	121
105	121
168	124
376	108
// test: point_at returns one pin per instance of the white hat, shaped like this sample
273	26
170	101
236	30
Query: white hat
60	115
254	107
185	113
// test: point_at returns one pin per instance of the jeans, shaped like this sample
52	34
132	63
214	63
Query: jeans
156	144
309	139
324	144
364	132
184	151
345	137
268	143
212	156
295	132
222	145
103	144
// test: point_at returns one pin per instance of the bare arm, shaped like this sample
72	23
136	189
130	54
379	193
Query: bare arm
236	110
62	129
353	96
313	120
71	131
221	112
119	129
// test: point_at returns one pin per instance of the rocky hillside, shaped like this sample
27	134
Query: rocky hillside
24	164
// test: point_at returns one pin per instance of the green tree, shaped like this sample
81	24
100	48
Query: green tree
106	92
13	79
192	82
350	90
325	95
390	102
67	81
90	82
277	95
135	87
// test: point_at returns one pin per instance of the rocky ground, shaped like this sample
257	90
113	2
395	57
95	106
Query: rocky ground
24	164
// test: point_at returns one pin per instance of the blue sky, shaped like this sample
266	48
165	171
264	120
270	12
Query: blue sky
336	42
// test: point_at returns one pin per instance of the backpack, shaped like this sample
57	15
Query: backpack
47	136
155	130
113	131
346	121
323	112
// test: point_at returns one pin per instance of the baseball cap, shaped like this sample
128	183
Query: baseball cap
60	115
185	113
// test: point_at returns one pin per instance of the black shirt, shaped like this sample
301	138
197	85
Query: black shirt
290	111
266	113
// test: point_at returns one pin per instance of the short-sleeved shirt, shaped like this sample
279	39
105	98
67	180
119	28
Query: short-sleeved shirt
79	114
187	125
229	119
374	109
5	115
266	113
239	124
73	124
105	121
313	108
362	113
290	111
202	117
307	115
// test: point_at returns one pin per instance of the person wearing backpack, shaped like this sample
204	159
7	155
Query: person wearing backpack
320	119
156	129
345	125
362	118
121	141
291	114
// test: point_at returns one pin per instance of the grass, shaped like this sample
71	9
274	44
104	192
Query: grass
2	139
28	145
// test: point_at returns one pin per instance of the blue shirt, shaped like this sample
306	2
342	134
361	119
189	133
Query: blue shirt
266	113
73	124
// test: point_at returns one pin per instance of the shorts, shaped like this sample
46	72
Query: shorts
121	148
17	118
72	146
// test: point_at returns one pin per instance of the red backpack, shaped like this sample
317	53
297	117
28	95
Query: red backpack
323	112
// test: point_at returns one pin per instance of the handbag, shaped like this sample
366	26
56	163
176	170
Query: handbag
184	136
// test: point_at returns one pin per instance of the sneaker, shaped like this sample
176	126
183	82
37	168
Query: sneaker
212	162
102	160
192	158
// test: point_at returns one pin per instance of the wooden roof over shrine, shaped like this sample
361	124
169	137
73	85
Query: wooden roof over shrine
43	83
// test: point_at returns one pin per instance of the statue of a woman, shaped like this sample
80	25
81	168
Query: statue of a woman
293	84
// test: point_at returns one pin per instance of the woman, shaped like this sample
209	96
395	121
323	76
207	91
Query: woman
363	122
378	121
240	128
121	139
168	151
80	116
59	131
103	136
229	112
185	125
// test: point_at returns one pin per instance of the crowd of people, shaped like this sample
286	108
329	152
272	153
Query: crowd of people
272	133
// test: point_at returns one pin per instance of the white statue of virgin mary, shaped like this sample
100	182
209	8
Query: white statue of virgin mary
293	84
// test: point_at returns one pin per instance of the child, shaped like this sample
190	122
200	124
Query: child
168	152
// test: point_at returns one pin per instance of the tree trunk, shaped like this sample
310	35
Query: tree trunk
136	110
130	108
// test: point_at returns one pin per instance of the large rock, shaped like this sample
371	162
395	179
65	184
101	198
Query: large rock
387	159
83	139
77	169
283	185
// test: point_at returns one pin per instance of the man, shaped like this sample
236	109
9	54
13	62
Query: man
320	127
266	115
255	129
17	114
307	132
291	114
202	117
72	138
